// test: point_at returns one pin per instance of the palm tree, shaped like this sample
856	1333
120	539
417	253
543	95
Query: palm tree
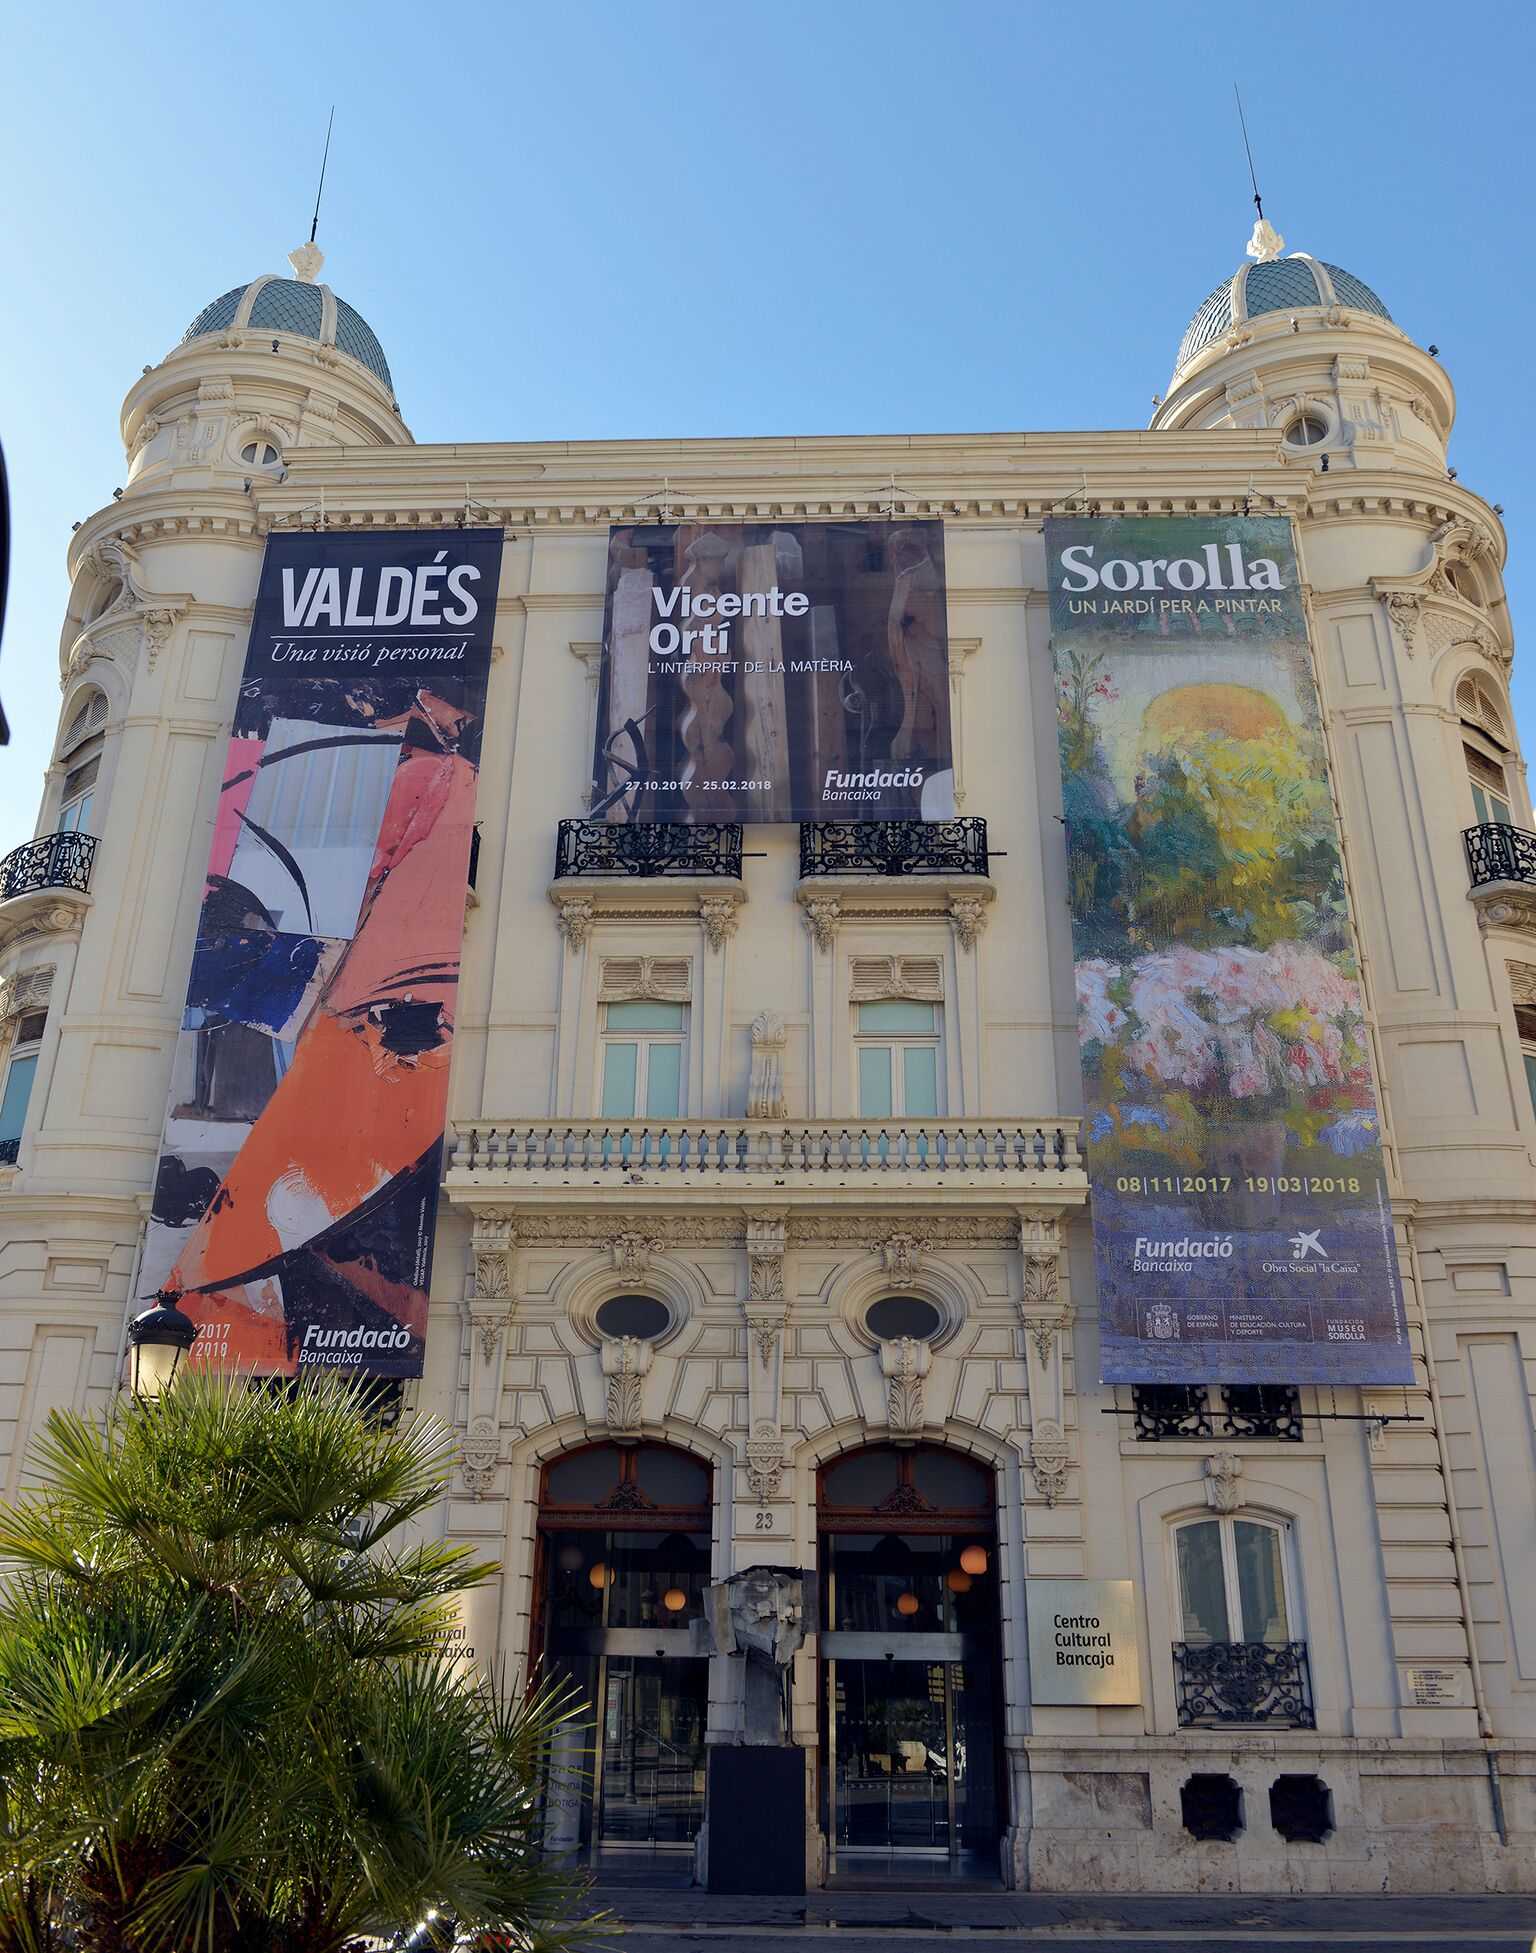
227	1718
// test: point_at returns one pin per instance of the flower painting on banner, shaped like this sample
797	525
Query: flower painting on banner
1242	1229
296	1193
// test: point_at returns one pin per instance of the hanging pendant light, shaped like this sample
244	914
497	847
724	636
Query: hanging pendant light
674	1600
907	1604
568	1559
599	1576
957	1581
974	1559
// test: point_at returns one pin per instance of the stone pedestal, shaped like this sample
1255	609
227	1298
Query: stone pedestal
755	1813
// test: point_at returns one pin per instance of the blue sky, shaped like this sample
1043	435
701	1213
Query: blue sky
852	216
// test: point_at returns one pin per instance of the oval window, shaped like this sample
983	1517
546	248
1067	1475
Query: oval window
260	454
903	1315
633	1315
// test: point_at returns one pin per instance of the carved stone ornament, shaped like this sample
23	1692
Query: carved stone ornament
575	921
487	1331
25	990
1223	1476
1405	609
626	1362
495	1232
1266	243
1522	984
900	1253
968	914
765	1467
765	1332
821	918
765	1088
492	1275
904	1363
1043	1331
632	1251
1042	1278
1048	1458
1508	909
719	914
479	1457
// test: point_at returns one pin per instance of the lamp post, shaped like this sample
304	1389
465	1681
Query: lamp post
158	1339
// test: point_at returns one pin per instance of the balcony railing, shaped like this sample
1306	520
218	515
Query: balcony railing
576	1152
10	1151
1248	1410
51	861
1227	1682
957	847
643	848
1498	853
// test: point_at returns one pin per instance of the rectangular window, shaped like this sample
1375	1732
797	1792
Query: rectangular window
79	792
897	1047
643	1044
17	1089
1490	793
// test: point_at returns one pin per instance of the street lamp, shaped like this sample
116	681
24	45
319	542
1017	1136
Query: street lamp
158	1338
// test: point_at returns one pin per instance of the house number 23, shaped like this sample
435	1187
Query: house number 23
762	1520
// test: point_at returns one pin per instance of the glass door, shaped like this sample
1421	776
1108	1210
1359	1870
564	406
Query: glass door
912	1749
626	1557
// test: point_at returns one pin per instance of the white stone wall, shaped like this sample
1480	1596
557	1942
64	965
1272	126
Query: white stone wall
767	1372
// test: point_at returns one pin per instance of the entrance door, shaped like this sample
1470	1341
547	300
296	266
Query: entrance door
910	1649
626	1548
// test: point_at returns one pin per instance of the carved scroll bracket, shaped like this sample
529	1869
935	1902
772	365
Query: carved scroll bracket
1049	1459
626	1364
904	1364
766	1311
1045	1313
1223	1481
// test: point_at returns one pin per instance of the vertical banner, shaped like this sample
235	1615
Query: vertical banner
765	671
297	1186
1241	1225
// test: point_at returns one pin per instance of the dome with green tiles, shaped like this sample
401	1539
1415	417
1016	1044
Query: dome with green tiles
298	307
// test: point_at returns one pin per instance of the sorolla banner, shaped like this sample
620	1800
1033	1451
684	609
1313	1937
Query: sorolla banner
774	672
297	1187
1241	1226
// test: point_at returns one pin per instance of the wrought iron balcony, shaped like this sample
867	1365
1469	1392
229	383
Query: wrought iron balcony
739	1154
1248	1410
1228	1682
957	847
1499	853
645	848
10	1151
51	861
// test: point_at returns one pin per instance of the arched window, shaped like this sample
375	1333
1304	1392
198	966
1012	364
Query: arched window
1485	748
1234	1582
80	748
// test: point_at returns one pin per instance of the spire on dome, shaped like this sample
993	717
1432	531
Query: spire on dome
308	259
1264	246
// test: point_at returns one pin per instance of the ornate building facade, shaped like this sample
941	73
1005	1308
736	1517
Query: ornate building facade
814	1321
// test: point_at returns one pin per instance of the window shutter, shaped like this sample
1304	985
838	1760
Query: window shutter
81	777
918	977
664	979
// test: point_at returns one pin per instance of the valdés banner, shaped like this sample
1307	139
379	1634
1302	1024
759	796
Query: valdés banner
774	672
297	1187
1241	1225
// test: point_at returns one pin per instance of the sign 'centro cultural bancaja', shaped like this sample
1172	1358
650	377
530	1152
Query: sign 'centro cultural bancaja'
296	1193
1241	1222
774	672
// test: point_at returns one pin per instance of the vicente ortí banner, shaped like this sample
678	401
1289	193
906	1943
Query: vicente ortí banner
1241	1225
774	671
297	1186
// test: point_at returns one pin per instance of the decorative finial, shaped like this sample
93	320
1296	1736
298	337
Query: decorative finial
307	261
1266	244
